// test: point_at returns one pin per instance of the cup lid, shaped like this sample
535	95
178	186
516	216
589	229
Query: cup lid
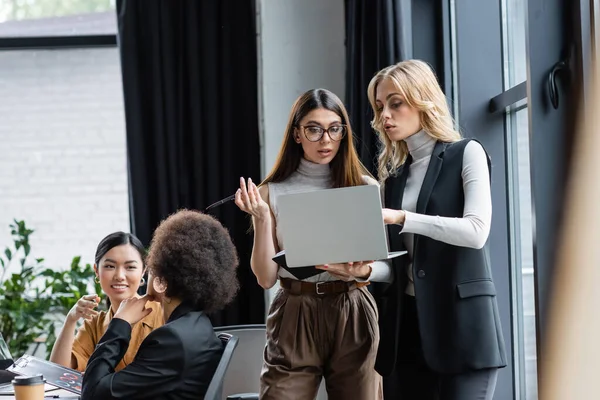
28	380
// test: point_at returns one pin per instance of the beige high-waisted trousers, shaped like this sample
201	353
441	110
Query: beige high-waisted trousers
310	337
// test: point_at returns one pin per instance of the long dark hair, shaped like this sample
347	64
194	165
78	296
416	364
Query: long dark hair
346	168
117	239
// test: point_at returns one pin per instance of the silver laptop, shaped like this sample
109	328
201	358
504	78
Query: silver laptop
333	226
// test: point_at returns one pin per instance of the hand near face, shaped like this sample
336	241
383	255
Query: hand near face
348	271
249	200
133	310
84	308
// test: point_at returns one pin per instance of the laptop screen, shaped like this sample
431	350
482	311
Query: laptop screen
4	351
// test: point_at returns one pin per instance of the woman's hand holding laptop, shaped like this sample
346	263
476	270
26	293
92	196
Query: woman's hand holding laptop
348	271
391	217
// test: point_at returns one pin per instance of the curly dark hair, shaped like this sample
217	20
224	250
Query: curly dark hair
193	253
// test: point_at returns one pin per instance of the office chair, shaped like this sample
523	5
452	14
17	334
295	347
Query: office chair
242	378
215	388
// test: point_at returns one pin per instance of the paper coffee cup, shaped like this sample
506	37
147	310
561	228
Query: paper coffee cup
29	387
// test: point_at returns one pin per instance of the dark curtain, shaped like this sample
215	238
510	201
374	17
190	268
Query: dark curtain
190	89
378	34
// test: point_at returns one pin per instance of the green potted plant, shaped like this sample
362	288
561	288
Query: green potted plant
32	297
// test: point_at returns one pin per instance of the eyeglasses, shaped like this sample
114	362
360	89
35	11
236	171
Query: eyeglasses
315	133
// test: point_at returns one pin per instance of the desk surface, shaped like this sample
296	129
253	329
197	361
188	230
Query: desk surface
59	393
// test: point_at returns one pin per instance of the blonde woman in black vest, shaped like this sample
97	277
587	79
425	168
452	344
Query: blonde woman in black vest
440	328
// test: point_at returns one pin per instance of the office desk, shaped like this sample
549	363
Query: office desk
59	393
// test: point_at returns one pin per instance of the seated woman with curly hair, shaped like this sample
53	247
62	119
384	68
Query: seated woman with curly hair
191	270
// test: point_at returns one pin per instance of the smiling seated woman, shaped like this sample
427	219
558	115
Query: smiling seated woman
191	271
119	267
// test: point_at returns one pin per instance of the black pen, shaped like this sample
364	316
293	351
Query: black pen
222	201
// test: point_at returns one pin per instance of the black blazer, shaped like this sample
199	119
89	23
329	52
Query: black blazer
455	295
176	361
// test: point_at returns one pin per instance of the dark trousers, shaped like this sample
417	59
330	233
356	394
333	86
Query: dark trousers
414	380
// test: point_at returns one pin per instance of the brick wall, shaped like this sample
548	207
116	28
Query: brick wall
62	149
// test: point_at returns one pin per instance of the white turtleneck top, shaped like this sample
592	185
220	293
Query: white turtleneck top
308	177
472	230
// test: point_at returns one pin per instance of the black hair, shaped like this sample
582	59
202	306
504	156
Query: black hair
118	239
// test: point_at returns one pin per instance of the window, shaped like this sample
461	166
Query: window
520	200
595	17
21	18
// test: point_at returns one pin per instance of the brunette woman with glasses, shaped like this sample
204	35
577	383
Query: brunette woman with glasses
312	334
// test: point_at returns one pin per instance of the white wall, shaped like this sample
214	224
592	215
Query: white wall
63	165
301	47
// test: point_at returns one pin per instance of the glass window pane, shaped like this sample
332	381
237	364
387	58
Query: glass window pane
63	167
523	223
21	18
522	268
595	28
515	39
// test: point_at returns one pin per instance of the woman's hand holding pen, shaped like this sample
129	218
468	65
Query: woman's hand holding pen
348	271
249	200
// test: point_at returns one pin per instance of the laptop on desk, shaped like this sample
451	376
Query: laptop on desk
6	361
333	226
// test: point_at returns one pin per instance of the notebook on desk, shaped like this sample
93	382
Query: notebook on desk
332	226
56	375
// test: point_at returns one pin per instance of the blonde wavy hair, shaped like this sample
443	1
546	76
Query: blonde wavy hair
417	83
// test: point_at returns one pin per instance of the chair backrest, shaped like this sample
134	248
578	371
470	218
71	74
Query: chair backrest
243	375
215	388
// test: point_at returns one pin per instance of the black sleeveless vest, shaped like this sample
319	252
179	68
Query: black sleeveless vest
455	295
